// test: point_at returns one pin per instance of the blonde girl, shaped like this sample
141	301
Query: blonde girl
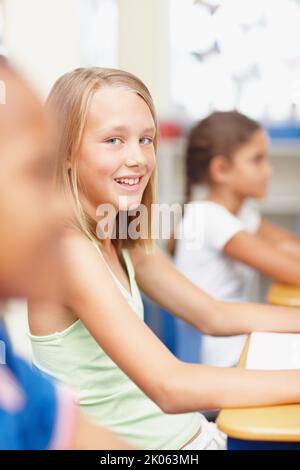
99	344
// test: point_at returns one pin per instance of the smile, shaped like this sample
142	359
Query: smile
130	183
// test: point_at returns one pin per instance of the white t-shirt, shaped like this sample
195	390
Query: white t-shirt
203	234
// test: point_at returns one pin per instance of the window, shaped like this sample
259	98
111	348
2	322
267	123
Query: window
99	32
242	54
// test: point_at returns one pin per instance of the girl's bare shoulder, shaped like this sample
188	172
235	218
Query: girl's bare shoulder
76	246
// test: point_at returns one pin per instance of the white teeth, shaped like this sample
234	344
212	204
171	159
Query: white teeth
130	181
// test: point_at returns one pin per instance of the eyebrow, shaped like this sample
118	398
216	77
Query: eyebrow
124	128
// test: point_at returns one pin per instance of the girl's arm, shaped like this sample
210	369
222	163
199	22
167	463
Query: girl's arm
173	385
164	284
264	256
283	239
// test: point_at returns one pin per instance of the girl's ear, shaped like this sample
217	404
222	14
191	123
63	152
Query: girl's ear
219	169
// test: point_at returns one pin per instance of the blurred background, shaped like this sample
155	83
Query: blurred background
195	57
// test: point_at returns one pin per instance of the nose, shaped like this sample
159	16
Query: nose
135	156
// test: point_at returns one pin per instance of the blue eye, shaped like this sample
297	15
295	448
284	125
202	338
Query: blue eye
114	141
146	140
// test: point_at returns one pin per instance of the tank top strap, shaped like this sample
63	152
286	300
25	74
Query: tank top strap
128	262
96	246
129	268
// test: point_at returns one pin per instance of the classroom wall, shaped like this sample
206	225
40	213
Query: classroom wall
57	25
149	58
42	37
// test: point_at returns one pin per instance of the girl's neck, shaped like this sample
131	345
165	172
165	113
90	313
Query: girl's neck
107	246
91	210
230	200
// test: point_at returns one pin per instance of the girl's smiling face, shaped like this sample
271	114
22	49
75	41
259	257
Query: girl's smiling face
117	153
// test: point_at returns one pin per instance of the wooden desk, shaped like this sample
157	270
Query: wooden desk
280	294
272	423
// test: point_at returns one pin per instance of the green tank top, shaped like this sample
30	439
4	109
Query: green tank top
105	393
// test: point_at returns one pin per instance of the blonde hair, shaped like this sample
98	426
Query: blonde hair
69	100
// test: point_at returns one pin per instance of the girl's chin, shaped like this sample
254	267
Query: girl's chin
126	203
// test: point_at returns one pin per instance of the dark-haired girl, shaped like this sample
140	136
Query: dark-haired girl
229	153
